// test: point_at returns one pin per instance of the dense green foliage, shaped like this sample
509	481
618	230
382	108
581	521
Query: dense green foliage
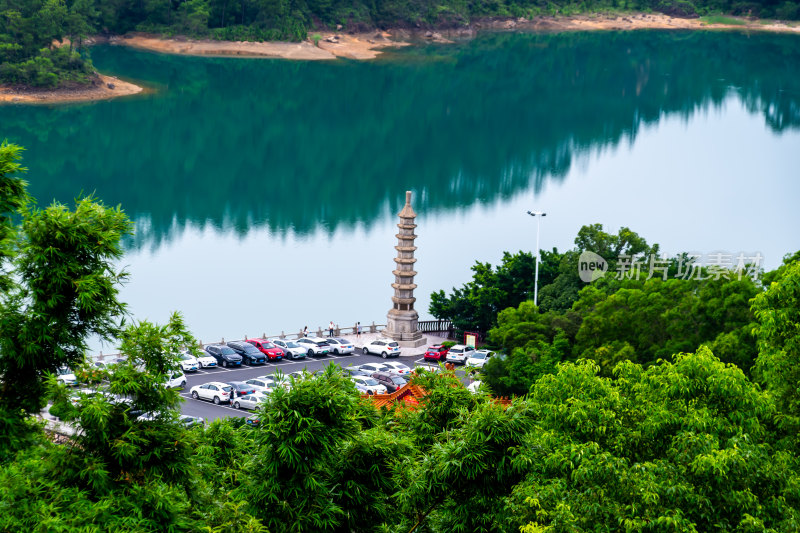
613	319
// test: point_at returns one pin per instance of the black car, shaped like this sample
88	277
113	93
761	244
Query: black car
240	388
250	354
225	356
392	382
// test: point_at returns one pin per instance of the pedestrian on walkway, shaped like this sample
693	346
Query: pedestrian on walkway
330	329
305	331
358	330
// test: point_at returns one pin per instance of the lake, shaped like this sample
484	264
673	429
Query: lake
265	192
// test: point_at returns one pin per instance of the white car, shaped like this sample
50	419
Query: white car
264	384
397	368
215	391
371	368
176	380
204	360
429	368
188	362
314	345
368	385
66	376
249	401
474	387
479	358
459	354
382	347
291	350
340	346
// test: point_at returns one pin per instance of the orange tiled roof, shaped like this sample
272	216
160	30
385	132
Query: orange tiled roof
411	395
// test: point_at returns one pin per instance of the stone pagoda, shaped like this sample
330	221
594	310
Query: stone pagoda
401	322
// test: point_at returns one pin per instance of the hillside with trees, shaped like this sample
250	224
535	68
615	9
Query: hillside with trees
645	406
31	30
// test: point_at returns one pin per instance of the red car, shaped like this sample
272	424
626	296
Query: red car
272	352
437	352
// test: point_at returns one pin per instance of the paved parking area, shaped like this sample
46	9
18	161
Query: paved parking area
409	356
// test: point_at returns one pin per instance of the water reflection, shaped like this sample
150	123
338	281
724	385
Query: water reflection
298	148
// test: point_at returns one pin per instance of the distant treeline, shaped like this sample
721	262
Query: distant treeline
29	28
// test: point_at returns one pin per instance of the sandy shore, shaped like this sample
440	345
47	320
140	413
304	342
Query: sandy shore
370	45
331	46
101	90
637	21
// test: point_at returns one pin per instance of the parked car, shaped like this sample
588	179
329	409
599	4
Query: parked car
240	388
215	391
371	368
66	376
382	347
314	345
340	346
253	420
263	384
204	360
368	385
479	358
225	356
435	352
176	380
428	368
474	387
250	354
354	371
298	375
249	401
459	354
272	352
291	350
398	368
392	382
188	362
189	421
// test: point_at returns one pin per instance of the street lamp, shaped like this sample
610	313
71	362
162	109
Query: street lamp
536	279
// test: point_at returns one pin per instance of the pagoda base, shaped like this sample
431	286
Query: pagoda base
402	327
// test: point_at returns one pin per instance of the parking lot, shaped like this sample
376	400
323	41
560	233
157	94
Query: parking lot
209	411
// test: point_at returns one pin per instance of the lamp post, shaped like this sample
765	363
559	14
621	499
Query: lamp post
536	214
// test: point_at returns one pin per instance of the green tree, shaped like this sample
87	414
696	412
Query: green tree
778	331
63	289
475	305
680	446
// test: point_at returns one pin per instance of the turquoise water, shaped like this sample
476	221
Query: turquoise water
272	186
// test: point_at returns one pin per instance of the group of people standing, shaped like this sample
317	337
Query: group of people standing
331	328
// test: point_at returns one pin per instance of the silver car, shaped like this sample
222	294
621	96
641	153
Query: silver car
249	401
368	385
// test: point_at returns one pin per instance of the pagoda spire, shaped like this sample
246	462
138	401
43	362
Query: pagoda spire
402	319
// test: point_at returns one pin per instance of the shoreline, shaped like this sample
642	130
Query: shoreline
359	46
633	21
104	88
365	46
